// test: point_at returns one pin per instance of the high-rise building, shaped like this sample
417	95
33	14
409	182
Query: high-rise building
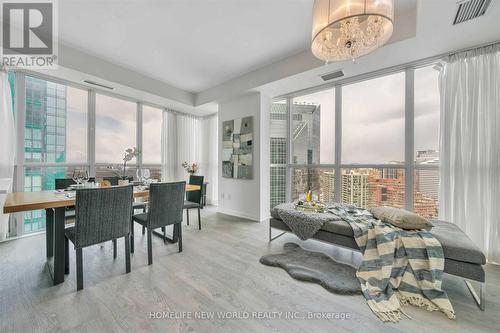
306	147
427	181
44	140
306	132
327	184
355	189
278	141
278	171
426	155
387	187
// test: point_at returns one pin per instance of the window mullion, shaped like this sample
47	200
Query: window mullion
338	143
17	226
139	129
409	136
91	115
289	149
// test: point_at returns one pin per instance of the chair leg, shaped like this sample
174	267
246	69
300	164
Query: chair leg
66	257
164	235
127	254
199	219
180	236
150	248
132	237
79	269
114	248
187	216
143	227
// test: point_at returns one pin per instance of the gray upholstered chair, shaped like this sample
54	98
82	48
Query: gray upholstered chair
102	214
62	184
113	180
166	202
194	198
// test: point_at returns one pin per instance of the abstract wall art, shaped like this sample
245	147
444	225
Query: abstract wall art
237	148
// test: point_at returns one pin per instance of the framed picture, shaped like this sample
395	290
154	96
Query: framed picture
237	148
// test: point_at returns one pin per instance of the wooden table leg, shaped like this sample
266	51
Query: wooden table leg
56	266
49	232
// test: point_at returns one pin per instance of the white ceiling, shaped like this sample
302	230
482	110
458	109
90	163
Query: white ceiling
190	44
189	53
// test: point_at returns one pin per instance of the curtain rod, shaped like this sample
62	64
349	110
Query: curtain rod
188	114
479	47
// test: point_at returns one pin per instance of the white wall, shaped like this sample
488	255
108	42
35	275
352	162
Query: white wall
248	198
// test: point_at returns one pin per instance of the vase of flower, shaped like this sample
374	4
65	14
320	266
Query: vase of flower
120	171
191	167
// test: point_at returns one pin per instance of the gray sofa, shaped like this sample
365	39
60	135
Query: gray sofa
462	257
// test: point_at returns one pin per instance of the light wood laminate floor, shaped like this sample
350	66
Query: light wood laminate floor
218	272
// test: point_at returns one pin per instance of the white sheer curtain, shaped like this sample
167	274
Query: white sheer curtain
7	147
470	146
169	146
191	139
189	143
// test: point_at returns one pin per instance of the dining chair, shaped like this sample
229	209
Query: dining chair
102	214
62	184
166	202
194	198
113	180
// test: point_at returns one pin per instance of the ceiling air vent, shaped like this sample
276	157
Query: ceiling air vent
98	84
332	75
470	9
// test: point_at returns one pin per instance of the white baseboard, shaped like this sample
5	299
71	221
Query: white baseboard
238	214
265	219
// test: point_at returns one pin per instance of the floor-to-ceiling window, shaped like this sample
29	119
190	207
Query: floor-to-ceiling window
373	137
353	142
115	131
55	138
313	145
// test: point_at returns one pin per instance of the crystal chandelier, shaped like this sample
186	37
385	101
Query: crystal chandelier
348	29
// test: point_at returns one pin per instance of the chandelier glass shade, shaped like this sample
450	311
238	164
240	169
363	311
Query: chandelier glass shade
348	29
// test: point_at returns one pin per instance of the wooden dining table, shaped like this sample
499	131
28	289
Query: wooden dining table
54	203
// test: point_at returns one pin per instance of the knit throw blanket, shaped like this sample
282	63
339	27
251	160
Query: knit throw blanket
399	267
304	225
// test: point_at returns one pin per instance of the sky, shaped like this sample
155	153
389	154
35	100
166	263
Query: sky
76	122
373	123
115	128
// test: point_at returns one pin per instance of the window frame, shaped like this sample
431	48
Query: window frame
409	166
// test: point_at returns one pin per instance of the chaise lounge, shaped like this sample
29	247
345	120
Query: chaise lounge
462	257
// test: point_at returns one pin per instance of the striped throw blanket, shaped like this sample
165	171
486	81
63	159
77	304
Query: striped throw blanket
399	267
